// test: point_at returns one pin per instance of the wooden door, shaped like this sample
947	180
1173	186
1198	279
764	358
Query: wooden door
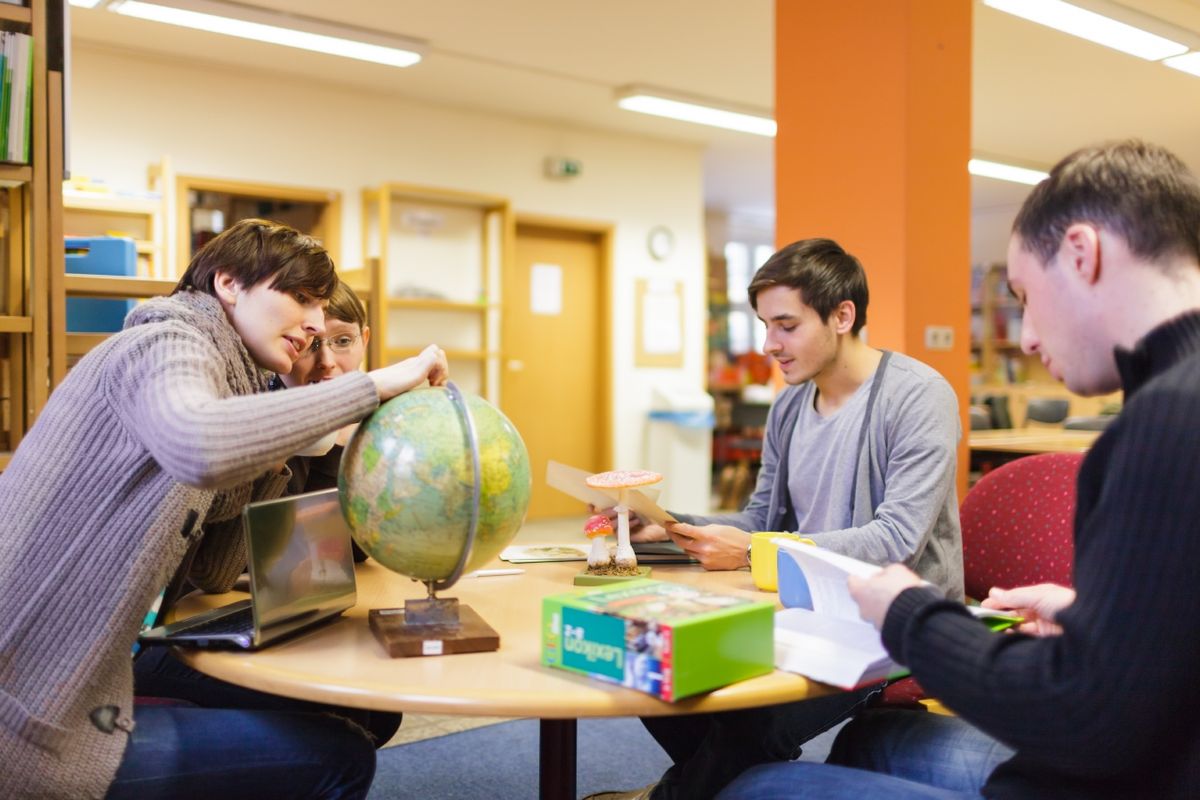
554	339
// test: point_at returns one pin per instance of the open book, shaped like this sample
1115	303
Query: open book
819	634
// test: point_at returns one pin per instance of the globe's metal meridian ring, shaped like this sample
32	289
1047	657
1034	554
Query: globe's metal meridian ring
468	421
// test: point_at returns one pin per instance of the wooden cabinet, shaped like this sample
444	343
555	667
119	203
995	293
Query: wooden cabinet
206	206
438	255
28	200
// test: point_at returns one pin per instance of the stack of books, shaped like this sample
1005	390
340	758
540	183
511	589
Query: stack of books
16	95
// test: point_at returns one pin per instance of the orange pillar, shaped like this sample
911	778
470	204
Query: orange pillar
873	101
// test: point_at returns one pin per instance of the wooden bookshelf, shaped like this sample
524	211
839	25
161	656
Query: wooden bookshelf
28	198
438	255
317	212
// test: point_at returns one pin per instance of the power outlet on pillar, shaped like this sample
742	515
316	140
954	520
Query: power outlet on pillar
939	337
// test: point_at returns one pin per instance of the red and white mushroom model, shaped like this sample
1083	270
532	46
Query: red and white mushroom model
598	528
623	480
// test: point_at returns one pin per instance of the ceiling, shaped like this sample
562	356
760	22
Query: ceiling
1037	93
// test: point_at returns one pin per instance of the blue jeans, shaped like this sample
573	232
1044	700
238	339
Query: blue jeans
180	753
885	753
710	750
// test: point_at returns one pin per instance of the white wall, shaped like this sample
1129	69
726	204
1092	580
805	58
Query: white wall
990	229
128	111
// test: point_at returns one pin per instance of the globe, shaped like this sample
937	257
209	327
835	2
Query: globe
407	483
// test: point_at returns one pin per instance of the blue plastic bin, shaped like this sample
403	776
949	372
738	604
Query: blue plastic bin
99	255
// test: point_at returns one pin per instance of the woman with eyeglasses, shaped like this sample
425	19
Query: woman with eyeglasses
339	351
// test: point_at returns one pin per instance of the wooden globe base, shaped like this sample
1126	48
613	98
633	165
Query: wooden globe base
432	627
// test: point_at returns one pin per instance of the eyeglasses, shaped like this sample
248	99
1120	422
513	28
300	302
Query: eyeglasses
336	344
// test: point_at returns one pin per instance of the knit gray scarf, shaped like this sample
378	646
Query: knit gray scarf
203	312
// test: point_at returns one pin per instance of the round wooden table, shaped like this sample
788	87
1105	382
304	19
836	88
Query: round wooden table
342	663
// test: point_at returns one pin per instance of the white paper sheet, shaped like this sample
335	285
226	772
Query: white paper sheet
545	289
573	481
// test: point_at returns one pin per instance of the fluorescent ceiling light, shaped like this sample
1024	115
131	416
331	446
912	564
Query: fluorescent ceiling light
691	109
1091	26
276	28
1005	172
1189	63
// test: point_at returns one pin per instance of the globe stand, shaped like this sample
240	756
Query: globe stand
436	625
444	627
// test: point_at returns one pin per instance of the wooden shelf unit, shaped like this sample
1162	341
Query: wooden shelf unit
1003	369
996	326
101	214
29	198
19	14
438	255
317	212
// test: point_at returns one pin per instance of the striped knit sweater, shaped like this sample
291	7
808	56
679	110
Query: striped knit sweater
1111	708
158	434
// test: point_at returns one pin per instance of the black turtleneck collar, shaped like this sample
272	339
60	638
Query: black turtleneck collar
1158	350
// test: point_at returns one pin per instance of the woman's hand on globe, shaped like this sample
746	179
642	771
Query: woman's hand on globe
410	373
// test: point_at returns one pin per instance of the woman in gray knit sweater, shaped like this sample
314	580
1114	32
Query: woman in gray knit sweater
153	443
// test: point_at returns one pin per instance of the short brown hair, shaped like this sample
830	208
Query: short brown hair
344	305
824	274
256	250
1138	190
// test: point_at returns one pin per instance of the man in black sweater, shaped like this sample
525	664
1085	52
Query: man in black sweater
1099	693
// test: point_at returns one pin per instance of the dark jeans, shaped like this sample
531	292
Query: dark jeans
190	753
710	750
158	673
231	742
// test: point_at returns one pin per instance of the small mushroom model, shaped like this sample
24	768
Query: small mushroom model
623	481
598	528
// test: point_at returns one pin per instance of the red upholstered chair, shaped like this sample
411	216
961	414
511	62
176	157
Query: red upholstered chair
1017	530
1018	524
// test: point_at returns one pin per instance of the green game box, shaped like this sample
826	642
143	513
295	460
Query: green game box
665	639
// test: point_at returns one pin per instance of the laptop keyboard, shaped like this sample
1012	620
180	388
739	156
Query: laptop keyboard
241	621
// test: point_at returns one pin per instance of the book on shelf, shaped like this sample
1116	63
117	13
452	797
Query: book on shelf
819	634
16	95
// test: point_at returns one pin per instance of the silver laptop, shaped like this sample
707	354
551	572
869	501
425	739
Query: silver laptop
301	570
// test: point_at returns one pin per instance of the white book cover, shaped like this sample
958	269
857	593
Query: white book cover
531	553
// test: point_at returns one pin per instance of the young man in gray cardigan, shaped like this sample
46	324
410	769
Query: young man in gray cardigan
860	455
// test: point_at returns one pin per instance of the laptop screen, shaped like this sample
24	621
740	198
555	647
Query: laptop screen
301	563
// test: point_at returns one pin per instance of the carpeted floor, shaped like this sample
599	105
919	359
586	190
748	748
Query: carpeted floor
501	761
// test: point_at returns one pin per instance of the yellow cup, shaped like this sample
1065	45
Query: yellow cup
764	564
